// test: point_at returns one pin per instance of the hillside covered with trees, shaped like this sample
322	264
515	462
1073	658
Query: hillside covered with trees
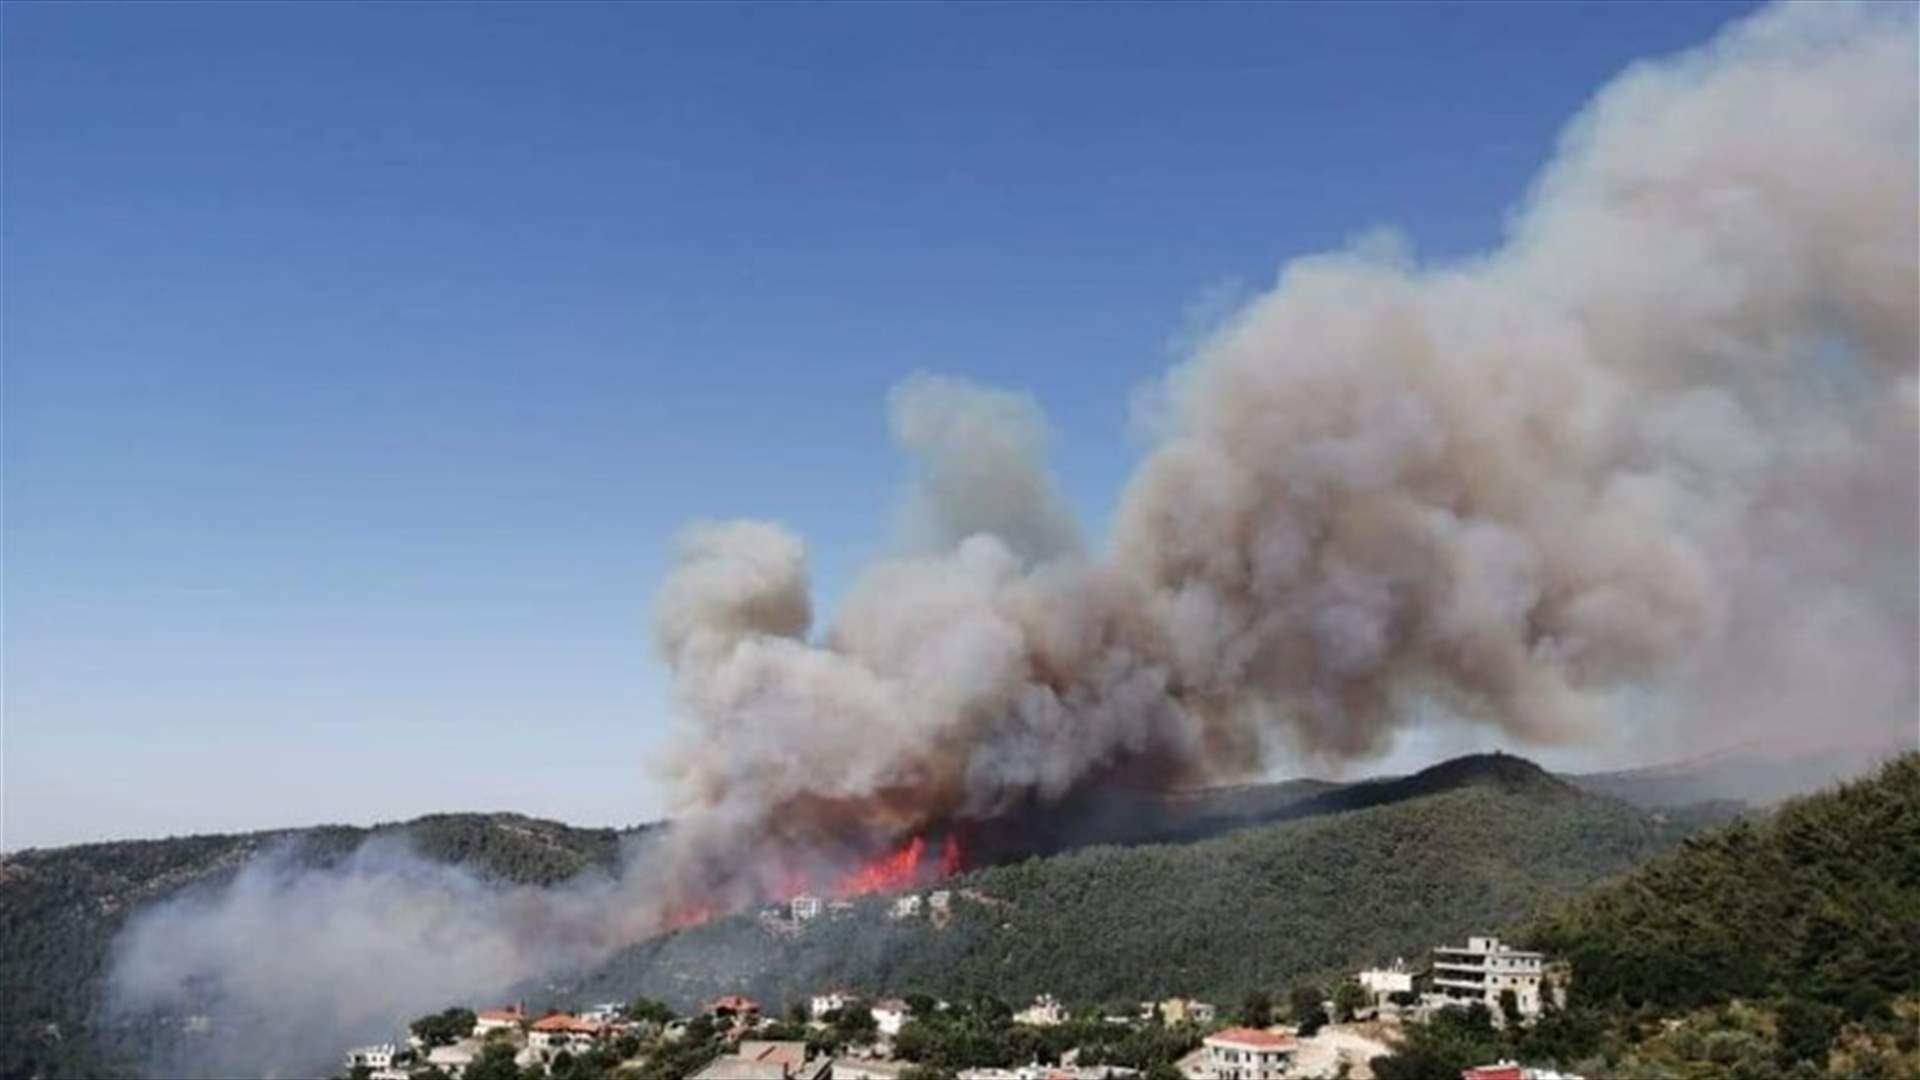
1472	845
1787	946
60	909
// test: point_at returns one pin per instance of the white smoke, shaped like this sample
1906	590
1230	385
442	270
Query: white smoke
1653	462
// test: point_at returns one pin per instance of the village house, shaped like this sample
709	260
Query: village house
734	1005
606	1014
498	1020
820	1005
377	1057
1178	1011
1044	1012
756	1059
1481	972
454	1058
1247	1054
805	908
940	902
905	907
551	1034
890	1015
1383	983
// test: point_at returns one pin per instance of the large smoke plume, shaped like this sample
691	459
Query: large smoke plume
1651	462
1650	466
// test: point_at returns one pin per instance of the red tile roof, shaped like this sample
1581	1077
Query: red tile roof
1266	1040
1502	1071
513	1015
563	1022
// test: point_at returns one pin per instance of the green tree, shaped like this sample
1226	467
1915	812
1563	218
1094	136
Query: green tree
1806	1031
1256	1009
1349	1000
444	1028
494	1063
1304	1000
648	1010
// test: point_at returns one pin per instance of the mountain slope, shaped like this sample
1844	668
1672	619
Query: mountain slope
60	908
1822	900
1784	946
1472	845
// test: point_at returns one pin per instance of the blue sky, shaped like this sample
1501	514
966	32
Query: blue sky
361	361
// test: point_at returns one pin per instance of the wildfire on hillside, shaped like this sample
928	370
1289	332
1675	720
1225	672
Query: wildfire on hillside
912	863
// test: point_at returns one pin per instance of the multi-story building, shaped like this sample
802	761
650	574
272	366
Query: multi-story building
1484	970
804	907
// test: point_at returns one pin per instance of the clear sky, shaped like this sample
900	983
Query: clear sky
361	361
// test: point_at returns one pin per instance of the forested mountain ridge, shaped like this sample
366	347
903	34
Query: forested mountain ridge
1473	845
61	907
1782	946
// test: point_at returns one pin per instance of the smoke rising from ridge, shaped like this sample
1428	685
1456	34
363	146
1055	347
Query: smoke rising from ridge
1650	465
1661	444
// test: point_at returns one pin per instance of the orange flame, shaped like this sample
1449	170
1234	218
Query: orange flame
902	868
685	915
888	872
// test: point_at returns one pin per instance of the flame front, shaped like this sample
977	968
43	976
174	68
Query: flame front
897	870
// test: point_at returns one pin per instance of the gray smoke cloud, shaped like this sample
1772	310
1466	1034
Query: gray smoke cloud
1652	462
1650	466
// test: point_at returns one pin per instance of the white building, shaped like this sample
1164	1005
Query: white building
806	907
1044	1012
821	1004
1384	982
889	1016
607	1012
378	1056
906	907
558	1032
1482	971
1247	1054
498	1020
940	901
